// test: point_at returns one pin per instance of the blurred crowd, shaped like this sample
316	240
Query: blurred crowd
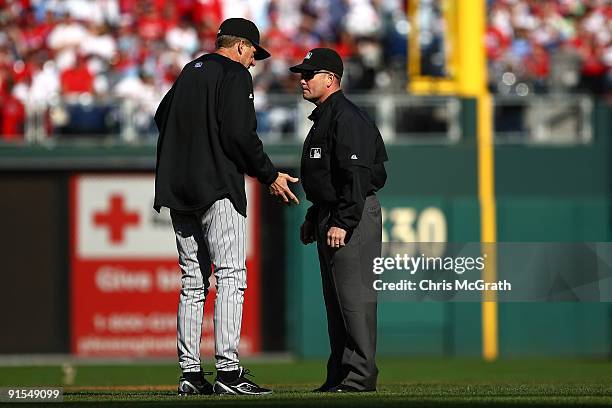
550	46
62	55
76	50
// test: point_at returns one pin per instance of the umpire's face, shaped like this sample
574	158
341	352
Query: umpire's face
246	52
315	84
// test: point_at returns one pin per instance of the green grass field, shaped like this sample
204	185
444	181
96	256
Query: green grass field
403	382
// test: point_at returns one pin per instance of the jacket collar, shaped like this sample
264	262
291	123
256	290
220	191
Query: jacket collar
318	111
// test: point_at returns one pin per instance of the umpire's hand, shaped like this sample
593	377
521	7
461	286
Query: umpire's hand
307	235
335	237
280	189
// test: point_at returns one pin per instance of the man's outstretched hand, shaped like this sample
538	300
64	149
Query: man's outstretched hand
280	189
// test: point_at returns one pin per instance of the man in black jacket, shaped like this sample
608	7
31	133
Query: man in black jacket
342	168
207	143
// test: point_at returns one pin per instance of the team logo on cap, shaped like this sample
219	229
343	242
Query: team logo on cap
308	55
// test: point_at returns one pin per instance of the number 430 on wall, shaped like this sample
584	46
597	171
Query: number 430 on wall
409	225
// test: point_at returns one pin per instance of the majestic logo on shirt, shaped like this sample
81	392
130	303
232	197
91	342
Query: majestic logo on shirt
308	55
354	157
250	96
315	153
198	64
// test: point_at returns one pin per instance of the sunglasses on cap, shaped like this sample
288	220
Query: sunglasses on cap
308	75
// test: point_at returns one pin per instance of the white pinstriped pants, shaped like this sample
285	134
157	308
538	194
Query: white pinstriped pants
218	237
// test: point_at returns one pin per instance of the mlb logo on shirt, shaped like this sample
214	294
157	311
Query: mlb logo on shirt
315	153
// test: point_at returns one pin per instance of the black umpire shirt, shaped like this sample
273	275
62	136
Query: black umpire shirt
342	161
207	137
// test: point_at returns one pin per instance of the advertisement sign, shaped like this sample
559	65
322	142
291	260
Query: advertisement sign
125	279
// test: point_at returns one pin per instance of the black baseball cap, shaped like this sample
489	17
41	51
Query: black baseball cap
240	27
320	59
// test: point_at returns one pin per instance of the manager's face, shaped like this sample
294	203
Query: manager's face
247	54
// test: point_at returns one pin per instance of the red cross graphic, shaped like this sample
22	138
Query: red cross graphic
116	219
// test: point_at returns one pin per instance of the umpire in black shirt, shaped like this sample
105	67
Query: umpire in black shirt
342	168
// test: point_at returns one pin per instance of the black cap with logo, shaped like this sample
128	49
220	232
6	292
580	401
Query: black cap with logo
320	59
240	27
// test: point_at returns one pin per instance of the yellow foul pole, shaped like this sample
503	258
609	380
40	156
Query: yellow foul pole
472	79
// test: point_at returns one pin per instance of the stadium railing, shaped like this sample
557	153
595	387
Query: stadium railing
555	119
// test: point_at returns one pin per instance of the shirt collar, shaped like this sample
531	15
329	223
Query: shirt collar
318	111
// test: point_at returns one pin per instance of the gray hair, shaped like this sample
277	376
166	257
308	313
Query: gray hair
228	41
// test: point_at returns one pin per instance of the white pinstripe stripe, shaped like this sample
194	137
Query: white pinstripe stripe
225	304
190	304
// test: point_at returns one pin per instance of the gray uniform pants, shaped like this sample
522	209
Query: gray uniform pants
217	236
351	300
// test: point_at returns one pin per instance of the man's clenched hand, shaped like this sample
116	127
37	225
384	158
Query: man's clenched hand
335	237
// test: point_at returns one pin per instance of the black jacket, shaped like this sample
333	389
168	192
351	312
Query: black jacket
342	161
207	137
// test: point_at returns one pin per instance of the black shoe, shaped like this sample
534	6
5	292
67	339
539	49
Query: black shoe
239	386
347	388
197	386
323	388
